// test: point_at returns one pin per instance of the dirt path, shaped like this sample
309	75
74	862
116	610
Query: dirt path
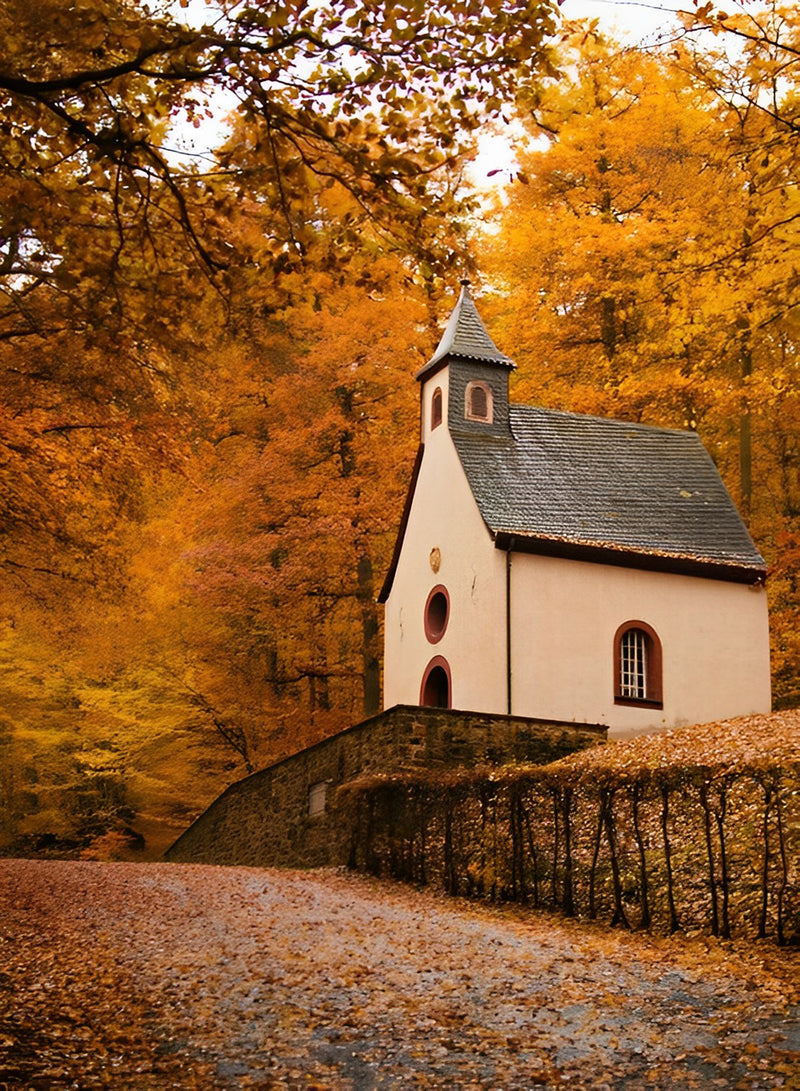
156	976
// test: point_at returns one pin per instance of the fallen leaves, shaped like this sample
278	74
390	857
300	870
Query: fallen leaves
141	976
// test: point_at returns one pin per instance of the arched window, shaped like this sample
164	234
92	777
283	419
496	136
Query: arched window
637	665
437	614
436	408
478	402
435	691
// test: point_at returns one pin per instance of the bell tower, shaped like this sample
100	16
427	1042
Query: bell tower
466	380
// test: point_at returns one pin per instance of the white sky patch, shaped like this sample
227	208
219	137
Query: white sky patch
630	22
496	162
194	142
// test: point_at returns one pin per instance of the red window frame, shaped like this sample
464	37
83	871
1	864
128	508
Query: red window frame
440	663
654	685
436	408
435	624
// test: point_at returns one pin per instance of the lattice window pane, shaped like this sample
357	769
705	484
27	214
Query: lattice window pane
633	664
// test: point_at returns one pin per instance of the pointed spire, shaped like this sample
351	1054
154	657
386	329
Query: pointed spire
465	335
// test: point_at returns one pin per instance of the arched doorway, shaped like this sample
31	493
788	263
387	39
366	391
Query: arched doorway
435	691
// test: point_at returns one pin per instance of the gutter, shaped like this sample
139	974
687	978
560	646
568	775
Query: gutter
630	557
509	547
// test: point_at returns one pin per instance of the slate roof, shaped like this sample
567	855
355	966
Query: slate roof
606	485
465	335
588	488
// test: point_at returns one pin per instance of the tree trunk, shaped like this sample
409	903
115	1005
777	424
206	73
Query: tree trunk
745	422
712	879
719	815
533	852
596	854
554	877
645	904
608	325
568	901
370	651
784	866
674	923
762	917
619	910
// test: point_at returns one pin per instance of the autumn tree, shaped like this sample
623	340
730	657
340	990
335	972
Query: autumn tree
649	272
247	625
757	84
135	274
748	58
292	518
109	239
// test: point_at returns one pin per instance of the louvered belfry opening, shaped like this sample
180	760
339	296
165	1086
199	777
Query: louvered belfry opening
479	402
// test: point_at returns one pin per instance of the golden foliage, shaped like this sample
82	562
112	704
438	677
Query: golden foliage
206	414
648	268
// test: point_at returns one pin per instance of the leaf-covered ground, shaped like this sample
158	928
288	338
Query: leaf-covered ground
158	976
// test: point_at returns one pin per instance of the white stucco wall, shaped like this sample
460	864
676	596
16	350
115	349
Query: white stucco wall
714	637
444	516
564	615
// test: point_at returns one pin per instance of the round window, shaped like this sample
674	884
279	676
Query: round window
437	613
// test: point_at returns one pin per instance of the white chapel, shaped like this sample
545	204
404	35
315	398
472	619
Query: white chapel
566	567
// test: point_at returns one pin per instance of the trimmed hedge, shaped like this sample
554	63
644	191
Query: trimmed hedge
691	829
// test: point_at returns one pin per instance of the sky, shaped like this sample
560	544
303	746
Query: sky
630	21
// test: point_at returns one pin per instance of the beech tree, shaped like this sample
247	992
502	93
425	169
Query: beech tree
649	270
374	99
279	549
245	625
133	277
109	241
764	54
757	83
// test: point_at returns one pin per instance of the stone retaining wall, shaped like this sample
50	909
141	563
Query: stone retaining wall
264	820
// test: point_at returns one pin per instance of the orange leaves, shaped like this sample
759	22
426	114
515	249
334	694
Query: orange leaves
305	492
205	364
649	270
746	745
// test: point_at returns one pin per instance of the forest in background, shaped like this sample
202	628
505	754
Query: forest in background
208	407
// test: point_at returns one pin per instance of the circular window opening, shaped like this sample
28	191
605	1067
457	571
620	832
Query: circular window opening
437	612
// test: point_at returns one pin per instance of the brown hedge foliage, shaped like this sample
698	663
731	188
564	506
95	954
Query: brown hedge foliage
691	829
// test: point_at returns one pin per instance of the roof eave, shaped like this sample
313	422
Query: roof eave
626	557
401	533
437	363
